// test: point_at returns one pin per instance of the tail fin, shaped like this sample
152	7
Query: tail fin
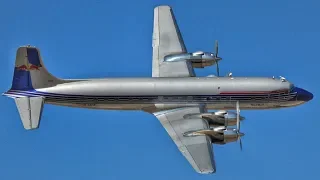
30	72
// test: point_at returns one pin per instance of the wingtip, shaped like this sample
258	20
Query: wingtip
162	6
209	171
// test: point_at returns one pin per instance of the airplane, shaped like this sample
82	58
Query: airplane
174	94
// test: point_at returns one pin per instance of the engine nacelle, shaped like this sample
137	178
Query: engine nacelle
219	118
225	118
219	135
198	59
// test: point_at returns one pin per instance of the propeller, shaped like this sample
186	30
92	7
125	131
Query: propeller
217	58
238	125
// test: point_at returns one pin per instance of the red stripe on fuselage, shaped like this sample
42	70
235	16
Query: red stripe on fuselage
254	92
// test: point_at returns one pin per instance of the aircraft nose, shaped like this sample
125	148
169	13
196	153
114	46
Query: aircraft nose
303	95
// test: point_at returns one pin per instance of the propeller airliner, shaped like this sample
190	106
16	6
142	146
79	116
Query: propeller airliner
174	95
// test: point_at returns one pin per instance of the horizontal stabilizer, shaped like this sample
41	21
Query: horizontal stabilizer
30	109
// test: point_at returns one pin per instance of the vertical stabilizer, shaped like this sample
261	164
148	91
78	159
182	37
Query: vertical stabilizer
30	72
30	110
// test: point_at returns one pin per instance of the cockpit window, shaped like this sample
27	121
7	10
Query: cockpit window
291	87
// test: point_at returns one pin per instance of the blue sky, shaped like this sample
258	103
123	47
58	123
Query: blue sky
85	39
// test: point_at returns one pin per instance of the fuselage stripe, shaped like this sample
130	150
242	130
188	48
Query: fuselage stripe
152	99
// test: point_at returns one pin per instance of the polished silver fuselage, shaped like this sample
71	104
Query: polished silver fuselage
154	94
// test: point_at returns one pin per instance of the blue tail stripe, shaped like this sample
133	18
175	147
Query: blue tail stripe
21	80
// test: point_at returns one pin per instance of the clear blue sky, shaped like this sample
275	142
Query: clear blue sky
84	39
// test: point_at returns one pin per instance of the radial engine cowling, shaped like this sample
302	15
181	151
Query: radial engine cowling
198	59
225	118
226	135
219	118
219	135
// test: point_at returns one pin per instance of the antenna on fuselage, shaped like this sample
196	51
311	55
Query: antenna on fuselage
217	58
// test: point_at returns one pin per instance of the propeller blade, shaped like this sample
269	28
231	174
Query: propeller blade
238	116
217	64
216	48
240	144
216	57
226	124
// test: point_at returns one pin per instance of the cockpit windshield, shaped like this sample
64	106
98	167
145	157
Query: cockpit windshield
291	87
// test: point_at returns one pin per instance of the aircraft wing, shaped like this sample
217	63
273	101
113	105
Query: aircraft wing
167	39
198	149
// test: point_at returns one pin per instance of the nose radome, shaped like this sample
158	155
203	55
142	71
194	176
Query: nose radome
304	95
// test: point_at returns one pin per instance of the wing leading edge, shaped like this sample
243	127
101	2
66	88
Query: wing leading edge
167	40
198	149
